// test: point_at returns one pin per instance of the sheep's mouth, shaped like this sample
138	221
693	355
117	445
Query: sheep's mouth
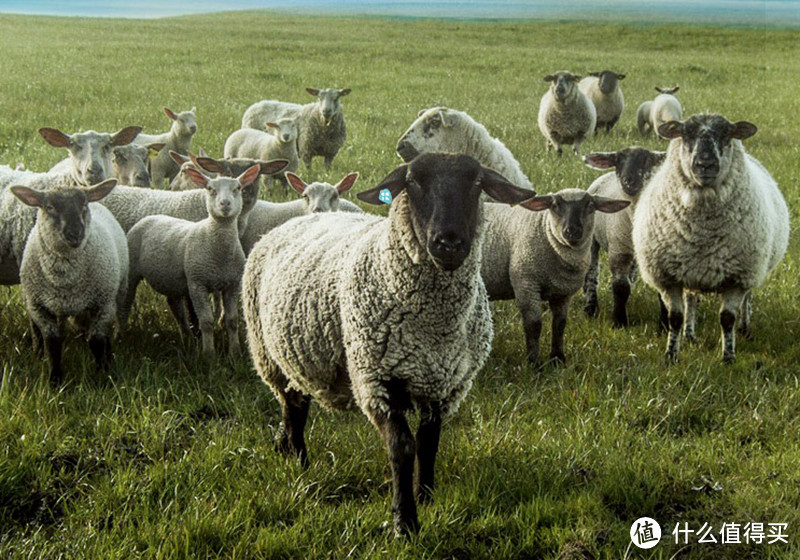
406	151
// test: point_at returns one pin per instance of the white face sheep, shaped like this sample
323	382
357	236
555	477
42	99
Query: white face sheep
664	108
89	159
604	91
712	219
75	264
279	143
386	314
129	163
566	115
177	139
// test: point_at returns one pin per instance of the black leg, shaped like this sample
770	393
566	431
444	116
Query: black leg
53	345
294	405
663	318
400	444
430	427
622	291
558	309
38	339
101	350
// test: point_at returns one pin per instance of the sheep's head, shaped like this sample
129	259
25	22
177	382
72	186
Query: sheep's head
633	166
706	150
572	213
184	123
224	194
608	80
434	130
129	163
562	84
284	129
90	151
668	90
321	197
443	196
64	211
329	100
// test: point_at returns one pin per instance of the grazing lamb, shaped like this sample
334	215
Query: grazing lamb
602	89
386	314
257	144
566	115
89	160
75	264
321	127
534	256
440	129
712	219
633	168
317	197
225	167
189	261
178	139
664	108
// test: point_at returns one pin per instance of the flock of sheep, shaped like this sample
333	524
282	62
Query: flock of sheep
387	314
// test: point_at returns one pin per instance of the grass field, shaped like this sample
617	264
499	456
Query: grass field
169	457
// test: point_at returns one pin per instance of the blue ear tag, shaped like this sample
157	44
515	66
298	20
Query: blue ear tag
385	196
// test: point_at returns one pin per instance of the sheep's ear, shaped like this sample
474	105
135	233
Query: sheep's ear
297	183
343	92
501	189
601	160
126	135
154	149
273	167
272	125
170	114
620	76
197	177
448	119
194	110
346	183
609	205
312	91
100	190
250	175
29	196
670	130
422	112
577	77
208	164
595	74
180	159
743	130
539	203
202	153
55	137
549	78
394	182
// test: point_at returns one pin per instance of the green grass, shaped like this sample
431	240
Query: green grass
172	458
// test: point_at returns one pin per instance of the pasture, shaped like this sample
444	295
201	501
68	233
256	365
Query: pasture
171	457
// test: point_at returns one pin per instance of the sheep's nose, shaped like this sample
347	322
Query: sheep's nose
573	233
447	242
193	129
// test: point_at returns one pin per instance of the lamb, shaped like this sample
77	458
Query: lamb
129	163
317	197
75	264
89	160
188	261
534	256
664	108
213	167
711	220
566	115
257	144
602	89
178	139
386	314
321	127
440	129
612	232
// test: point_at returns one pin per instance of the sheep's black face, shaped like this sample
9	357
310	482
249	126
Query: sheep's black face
68	213
575	217
562	84
608	81
634	166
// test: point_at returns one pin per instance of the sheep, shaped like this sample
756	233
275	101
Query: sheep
603	90
533	256
566	115
441	129
612	232
386	314
712	220
129	163
257	144
664	108
178	139
321	127
75	265
89	160
226	167
317	197
189	261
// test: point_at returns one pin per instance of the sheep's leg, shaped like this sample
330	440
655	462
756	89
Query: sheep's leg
590	282
558	309
230	301
621	268
531	310
576	147
673	298
328	162
178	307
38	340
745	329
430	427
663	315
399	442
124	312
690	302
99	333
199	297
731	302
294	408
100	347
53	343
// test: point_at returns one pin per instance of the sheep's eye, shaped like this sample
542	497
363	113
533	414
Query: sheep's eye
49	208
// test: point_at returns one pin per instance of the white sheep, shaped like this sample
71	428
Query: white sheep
75	265
604	91
321	127
664	108
533	256
178	139
566	115
317	197
189	261
232	167
260	145
711	220
129	163
386	314
633	168
440	129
